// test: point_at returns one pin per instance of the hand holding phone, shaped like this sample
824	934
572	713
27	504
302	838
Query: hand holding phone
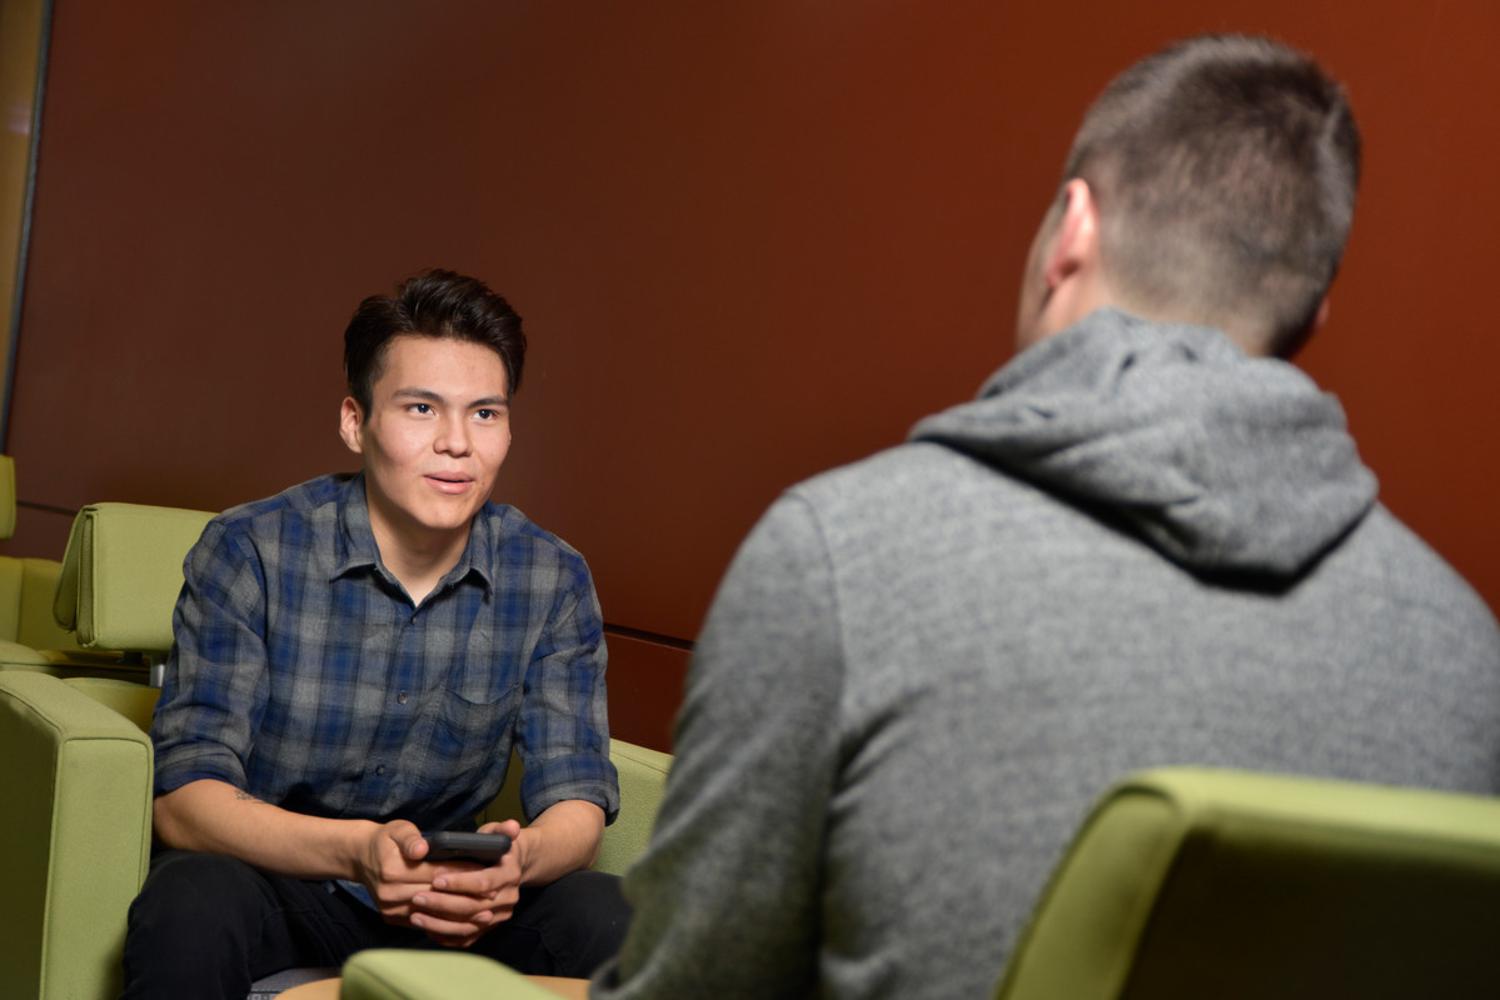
451	845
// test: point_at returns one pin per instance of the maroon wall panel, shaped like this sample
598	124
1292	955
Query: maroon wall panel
644	677
750	241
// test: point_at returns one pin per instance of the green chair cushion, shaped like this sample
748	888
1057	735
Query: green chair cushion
134	701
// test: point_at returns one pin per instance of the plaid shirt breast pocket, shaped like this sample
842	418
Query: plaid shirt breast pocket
472	729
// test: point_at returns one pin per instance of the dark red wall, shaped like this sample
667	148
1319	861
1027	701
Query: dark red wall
750	241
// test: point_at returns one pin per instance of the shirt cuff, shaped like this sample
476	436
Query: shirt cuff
176	770
585	776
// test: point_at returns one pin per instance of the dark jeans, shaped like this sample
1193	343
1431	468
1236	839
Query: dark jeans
208	926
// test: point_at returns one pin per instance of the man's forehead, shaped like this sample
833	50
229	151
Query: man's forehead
442	366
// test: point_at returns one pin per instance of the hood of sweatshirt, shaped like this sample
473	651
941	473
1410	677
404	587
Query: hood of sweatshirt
1222	462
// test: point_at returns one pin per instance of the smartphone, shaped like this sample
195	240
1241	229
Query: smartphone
450	845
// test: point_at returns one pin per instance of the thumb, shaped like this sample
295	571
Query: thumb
408	839
510	827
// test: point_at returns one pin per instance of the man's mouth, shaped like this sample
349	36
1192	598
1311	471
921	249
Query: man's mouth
449	482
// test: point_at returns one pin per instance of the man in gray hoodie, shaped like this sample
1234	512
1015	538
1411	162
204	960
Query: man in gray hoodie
1149	541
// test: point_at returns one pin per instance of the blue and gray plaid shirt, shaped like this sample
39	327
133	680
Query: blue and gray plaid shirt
303	674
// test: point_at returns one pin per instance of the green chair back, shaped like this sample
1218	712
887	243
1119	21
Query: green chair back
1189	883
7	496
122	572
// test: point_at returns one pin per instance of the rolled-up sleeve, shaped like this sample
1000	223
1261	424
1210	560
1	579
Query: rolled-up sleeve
215	687
564	725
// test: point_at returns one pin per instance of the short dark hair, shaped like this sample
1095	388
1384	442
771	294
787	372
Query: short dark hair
435	303
1225	169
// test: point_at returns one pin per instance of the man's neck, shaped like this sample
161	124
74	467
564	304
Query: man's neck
417	557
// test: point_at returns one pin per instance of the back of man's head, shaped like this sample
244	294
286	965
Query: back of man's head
1224	169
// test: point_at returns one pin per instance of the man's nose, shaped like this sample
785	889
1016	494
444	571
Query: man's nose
453	436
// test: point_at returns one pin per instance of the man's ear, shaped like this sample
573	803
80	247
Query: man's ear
1287	347
352	425
1075	245
1321	319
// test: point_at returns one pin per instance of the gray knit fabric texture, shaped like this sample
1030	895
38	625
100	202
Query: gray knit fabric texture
1138	547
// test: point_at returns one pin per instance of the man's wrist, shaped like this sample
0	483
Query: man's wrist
525	844
356	847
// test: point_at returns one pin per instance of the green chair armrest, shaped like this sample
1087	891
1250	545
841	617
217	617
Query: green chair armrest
399	974
643	782
13	654
76	784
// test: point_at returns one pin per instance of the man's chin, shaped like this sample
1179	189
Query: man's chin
448	521
443	517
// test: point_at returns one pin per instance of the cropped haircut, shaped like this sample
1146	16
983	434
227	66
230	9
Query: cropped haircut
1224	169
435	303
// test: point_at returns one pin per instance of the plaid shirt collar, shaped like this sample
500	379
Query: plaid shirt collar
356	549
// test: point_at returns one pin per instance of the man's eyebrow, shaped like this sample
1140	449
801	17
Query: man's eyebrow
491	401
429	396
412	392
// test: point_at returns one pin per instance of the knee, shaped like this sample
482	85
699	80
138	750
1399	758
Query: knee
187	892
598	916
591	892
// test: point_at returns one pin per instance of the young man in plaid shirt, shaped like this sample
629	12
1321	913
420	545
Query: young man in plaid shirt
356	657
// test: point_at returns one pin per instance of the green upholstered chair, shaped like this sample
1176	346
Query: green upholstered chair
78	827
1200	883
28	634
78	806
1189	883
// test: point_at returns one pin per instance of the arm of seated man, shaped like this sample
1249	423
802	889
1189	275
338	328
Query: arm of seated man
215	816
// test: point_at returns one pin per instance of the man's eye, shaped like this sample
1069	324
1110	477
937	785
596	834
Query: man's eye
487	414
420	408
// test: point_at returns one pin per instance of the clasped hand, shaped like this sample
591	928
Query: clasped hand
454	902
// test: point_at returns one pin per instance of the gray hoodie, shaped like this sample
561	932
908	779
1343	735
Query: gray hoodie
1221	462
1137	547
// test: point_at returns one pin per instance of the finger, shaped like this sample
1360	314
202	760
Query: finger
510	827
398	897
452	942
452	906
504	906
470	882
409	873
438	927
402	829
413	845
477	879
